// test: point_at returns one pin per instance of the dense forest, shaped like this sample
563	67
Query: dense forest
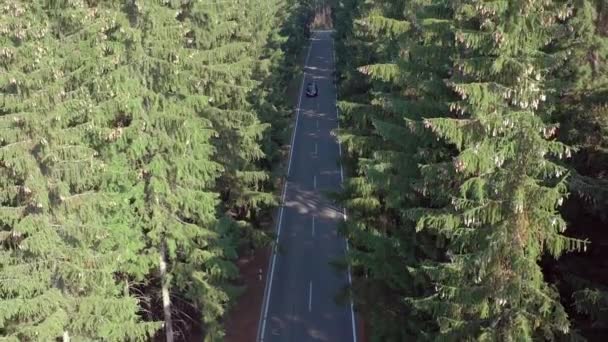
141	140
137	144
477	152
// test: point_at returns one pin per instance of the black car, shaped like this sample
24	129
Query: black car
311	89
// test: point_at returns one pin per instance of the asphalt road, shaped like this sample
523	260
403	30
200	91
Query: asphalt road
301	289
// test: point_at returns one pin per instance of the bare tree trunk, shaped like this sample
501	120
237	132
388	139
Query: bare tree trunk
165	293
66	336
127	293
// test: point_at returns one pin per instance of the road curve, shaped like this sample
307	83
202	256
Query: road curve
299	301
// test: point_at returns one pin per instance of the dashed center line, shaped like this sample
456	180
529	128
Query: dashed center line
314	181
310	297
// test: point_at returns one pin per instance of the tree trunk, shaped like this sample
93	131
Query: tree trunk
127	293
165	293
66	336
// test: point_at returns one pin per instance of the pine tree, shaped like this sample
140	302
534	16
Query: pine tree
165	154
503	183
230	110
581	108
135	156
385	137
62	244
458	238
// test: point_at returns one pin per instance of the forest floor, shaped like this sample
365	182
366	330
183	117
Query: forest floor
242	320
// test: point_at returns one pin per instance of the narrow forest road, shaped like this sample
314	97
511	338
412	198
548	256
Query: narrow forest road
299	301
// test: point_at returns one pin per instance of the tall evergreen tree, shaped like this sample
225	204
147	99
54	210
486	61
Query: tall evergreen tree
190	145
62	241
396	87
458	89
152	122
504	184
237	37
165	154
581	108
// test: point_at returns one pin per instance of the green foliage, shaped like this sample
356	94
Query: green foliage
502	216
580	107
448	117
382	102
129	129
65	250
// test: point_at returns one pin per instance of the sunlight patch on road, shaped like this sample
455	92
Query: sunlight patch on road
317	335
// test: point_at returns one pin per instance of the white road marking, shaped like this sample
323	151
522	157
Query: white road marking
341	175
316	149
310	297
293	137
313	225
268	287
317	123
352	310
314	180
